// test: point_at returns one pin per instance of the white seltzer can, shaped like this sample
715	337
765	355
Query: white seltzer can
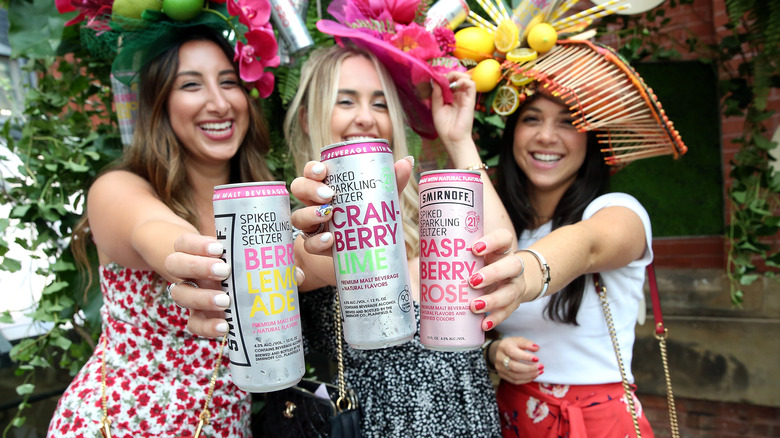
369	253
264	338
451	220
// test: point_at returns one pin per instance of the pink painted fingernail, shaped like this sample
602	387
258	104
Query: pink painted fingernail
476	279
479	304
534	359
478	247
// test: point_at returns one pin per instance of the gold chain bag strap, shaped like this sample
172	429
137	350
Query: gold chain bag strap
203	418
661	333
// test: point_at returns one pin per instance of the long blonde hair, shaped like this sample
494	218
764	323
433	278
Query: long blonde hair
311	111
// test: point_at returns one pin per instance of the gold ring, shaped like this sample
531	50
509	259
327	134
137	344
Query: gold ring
506	362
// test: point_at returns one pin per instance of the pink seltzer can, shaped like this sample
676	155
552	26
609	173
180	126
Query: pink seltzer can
451	220
264	338
369	252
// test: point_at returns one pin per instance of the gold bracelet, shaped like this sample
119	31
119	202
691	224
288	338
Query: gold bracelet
545	272
478	166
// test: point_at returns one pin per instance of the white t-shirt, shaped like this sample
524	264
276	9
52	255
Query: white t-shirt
583	354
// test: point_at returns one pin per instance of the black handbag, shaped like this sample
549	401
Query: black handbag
296	412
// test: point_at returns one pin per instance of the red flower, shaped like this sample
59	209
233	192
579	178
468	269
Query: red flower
87	9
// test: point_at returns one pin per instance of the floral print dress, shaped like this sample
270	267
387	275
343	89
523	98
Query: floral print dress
157	373
407	391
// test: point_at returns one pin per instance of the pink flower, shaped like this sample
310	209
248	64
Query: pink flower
399	11
264	85
254	14
403	11
445	38
416	41
260	51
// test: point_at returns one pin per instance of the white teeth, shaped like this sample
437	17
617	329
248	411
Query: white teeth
548	158
358	137
224	126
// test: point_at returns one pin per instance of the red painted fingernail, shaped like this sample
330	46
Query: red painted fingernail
478	247
541	369
479	304
541	372
535	359
489	325
535	346
476	279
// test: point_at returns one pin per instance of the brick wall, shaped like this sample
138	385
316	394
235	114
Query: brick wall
706	419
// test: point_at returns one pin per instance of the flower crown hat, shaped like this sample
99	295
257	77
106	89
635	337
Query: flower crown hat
133	32
518	54
414	48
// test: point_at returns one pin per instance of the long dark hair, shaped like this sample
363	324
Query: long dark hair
156	154
512	186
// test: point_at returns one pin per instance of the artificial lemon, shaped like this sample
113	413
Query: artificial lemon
182	10
519	80
134	8
542	37
486	75
521	55
506	101
473	43
506	36
534	21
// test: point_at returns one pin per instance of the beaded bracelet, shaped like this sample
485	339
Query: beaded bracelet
546	277
478	166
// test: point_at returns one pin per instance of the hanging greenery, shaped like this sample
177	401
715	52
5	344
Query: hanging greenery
750	59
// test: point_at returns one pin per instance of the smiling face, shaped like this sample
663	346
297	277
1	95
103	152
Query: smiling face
547	148
207	108
361	107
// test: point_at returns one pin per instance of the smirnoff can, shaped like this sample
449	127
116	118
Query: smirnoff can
291	27
369	253
451	220
446	13
264	338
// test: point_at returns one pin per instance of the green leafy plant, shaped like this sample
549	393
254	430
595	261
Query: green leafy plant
65	136
750	57
747	60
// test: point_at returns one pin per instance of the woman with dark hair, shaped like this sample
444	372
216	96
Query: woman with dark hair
559	374
197	128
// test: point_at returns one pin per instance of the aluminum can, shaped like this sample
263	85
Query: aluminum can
451	220
264	338
301	8
126	101
290	25
369	253
446	13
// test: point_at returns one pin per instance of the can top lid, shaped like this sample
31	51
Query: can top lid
461	171
352	142
250	184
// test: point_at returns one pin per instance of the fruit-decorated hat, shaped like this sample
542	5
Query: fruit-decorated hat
133	32
408	40
603	92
